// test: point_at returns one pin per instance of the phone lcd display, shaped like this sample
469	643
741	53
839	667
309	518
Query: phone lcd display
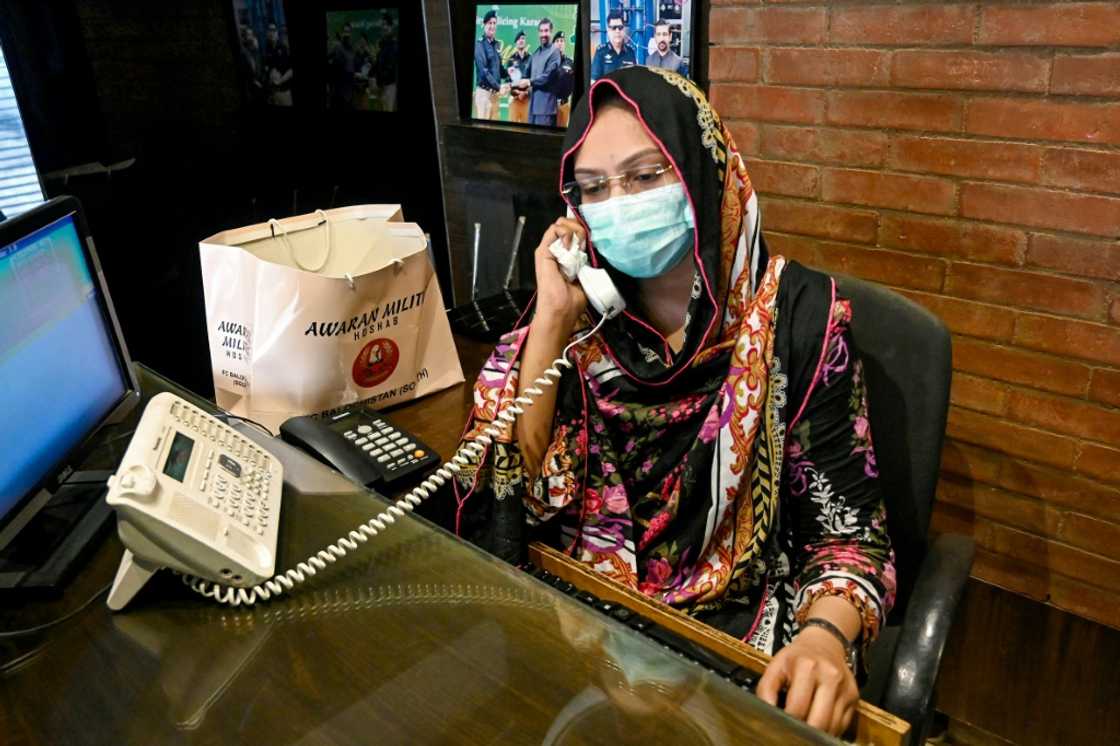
178	457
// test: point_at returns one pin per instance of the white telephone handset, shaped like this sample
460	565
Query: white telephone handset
597	286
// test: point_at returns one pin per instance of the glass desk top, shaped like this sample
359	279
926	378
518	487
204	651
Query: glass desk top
416	638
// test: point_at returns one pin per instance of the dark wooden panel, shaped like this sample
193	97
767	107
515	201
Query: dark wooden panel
1029	672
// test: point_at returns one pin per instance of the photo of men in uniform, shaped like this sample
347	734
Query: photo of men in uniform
653	33
565	81
524	70
617	52
264	55
517	66
362	59
487	70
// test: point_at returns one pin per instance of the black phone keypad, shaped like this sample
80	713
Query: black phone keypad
395	453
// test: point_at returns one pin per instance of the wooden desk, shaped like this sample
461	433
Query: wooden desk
420	638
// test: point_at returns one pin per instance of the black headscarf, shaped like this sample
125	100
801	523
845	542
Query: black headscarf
680	121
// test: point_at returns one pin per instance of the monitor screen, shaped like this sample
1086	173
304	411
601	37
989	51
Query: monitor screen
60	374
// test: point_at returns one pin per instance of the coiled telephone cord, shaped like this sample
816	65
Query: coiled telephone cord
465	456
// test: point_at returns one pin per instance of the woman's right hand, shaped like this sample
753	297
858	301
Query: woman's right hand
558	299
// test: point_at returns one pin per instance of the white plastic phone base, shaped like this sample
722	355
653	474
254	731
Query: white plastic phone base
131	577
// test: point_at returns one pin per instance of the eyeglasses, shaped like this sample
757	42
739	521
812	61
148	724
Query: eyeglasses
615	27
598	188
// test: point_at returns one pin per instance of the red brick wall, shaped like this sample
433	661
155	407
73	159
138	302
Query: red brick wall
968	155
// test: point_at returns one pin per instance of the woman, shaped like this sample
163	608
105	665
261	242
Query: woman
711	447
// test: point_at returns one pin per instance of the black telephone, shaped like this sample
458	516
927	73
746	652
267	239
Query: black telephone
364	446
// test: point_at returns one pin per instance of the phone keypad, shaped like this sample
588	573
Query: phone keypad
393	451
236	475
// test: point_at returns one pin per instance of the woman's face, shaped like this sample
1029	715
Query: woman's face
616	144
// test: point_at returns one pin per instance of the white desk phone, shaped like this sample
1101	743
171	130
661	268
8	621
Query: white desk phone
194	495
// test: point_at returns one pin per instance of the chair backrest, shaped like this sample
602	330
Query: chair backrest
907	359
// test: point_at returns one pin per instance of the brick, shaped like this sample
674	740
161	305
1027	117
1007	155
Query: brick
887	109
1044	120
828	67
887	267
824	145
1099	571
1104	386
953	238
1016	440
972	463
1028	580
1043	292
1091	534
897	191
1025	513
1060	488
1078	213
1085	74
745	134
1053	24
824	221
1079	339
1075	256
791	179
1099	462
951	519
1114	312
1084	600
894	25
1020	366
1084	170
966	317
768	103
977	71
1053	555
1001	161
1064	415
1009	542
798	248
769	25
980	394
739	64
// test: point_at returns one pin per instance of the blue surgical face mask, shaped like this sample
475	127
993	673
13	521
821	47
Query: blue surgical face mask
643	235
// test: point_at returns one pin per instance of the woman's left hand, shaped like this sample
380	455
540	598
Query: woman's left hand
820	688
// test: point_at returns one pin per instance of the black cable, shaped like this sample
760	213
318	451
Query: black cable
227	416
48	625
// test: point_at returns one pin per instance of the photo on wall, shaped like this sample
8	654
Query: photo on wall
524	63
264	53
362	58
654	33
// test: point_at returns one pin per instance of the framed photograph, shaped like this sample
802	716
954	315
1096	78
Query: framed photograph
362	59
264	52
654	33
524	63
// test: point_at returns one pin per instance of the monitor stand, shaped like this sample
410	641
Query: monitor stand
53	533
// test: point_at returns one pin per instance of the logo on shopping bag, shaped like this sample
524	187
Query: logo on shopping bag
376	362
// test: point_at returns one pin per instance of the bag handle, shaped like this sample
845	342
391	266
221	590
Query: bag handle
275	224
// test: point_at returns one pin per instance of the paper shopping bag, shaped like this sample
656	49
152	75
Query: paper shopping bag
323	311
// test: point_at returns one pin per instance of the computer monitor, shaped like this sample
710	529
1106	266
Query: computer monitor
64	368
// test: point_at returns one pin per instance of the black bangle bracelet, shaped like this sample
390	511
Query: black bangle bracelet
849	647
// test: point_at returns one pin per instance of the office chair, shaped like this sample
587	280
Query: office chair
907	359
